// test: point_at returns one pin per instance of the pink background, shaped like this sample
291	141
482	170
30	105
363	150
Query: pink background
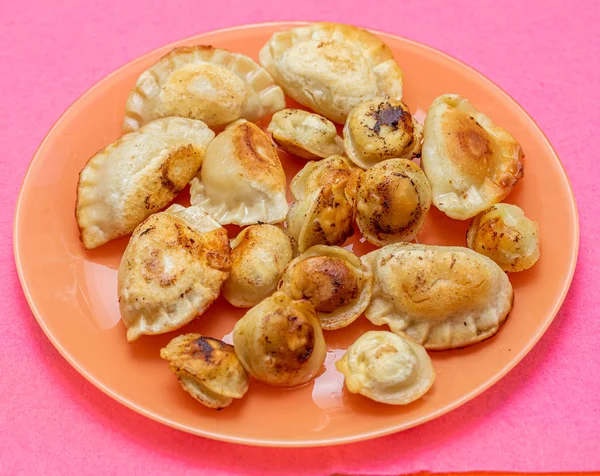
543	416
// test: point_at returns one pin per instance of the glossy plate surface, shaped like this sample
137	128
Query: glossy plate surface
72	292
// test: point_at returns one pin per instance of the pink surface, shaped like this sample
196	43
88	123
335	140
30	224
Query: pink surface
544	416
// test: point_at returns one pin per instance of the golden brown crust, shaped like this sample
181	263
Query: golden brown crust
393	201
470	162
206	368
381	129
280	342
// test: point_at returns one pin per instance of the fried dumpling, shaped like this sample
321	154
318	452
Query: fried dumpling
387	368
393	201
241	180
207	369
330	67
280	342
205	83
323	217
504	234
334	280
381	129
304	134
443	297
136	176
332	170
171	271
259	254
471	163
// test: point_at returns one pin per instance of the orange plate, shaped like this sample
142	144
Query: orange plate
72	292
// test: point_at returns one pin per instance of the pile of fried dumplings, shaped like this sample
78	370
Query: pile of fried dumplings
189	120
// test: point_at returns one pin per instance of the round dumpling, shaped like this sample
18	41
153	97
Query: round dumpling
323	217
241	180
206	83
280	342
393	201
331	68
443	297
504	234
259	254
387	368
471	163
304	134
332	170
381	129
207	369
334	280
171	271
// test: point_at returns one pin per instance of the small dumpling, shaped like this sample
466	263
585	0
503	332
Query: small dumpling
443	297
332	170
205	83
381	129
241	180
387	368
305	135
334	280
171	271
323	217
280	342
504	234
207	369
393	201
331	68
471	163
136	176
259	254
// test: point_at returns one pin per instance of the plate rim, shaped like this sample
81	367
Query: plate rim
516	359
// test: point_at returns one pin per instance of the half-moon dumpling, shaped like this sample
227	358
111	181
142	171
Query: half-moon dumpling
471	163
259	254
504	234
205	83
241	180
387	368
330	67
323	217
136	176
305	135
381	129
280	342
393	201
334	280
441	296
332	170
207	369
171	271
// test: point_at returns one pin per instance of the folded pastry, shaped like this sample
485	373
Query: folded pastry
381	129
259	254
137	175
334	280
205	83
504	234
394	197
387	368
279	341
332	170
305	135
241	180
443	297
322	217
330	67
471	163
171	271
207	369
